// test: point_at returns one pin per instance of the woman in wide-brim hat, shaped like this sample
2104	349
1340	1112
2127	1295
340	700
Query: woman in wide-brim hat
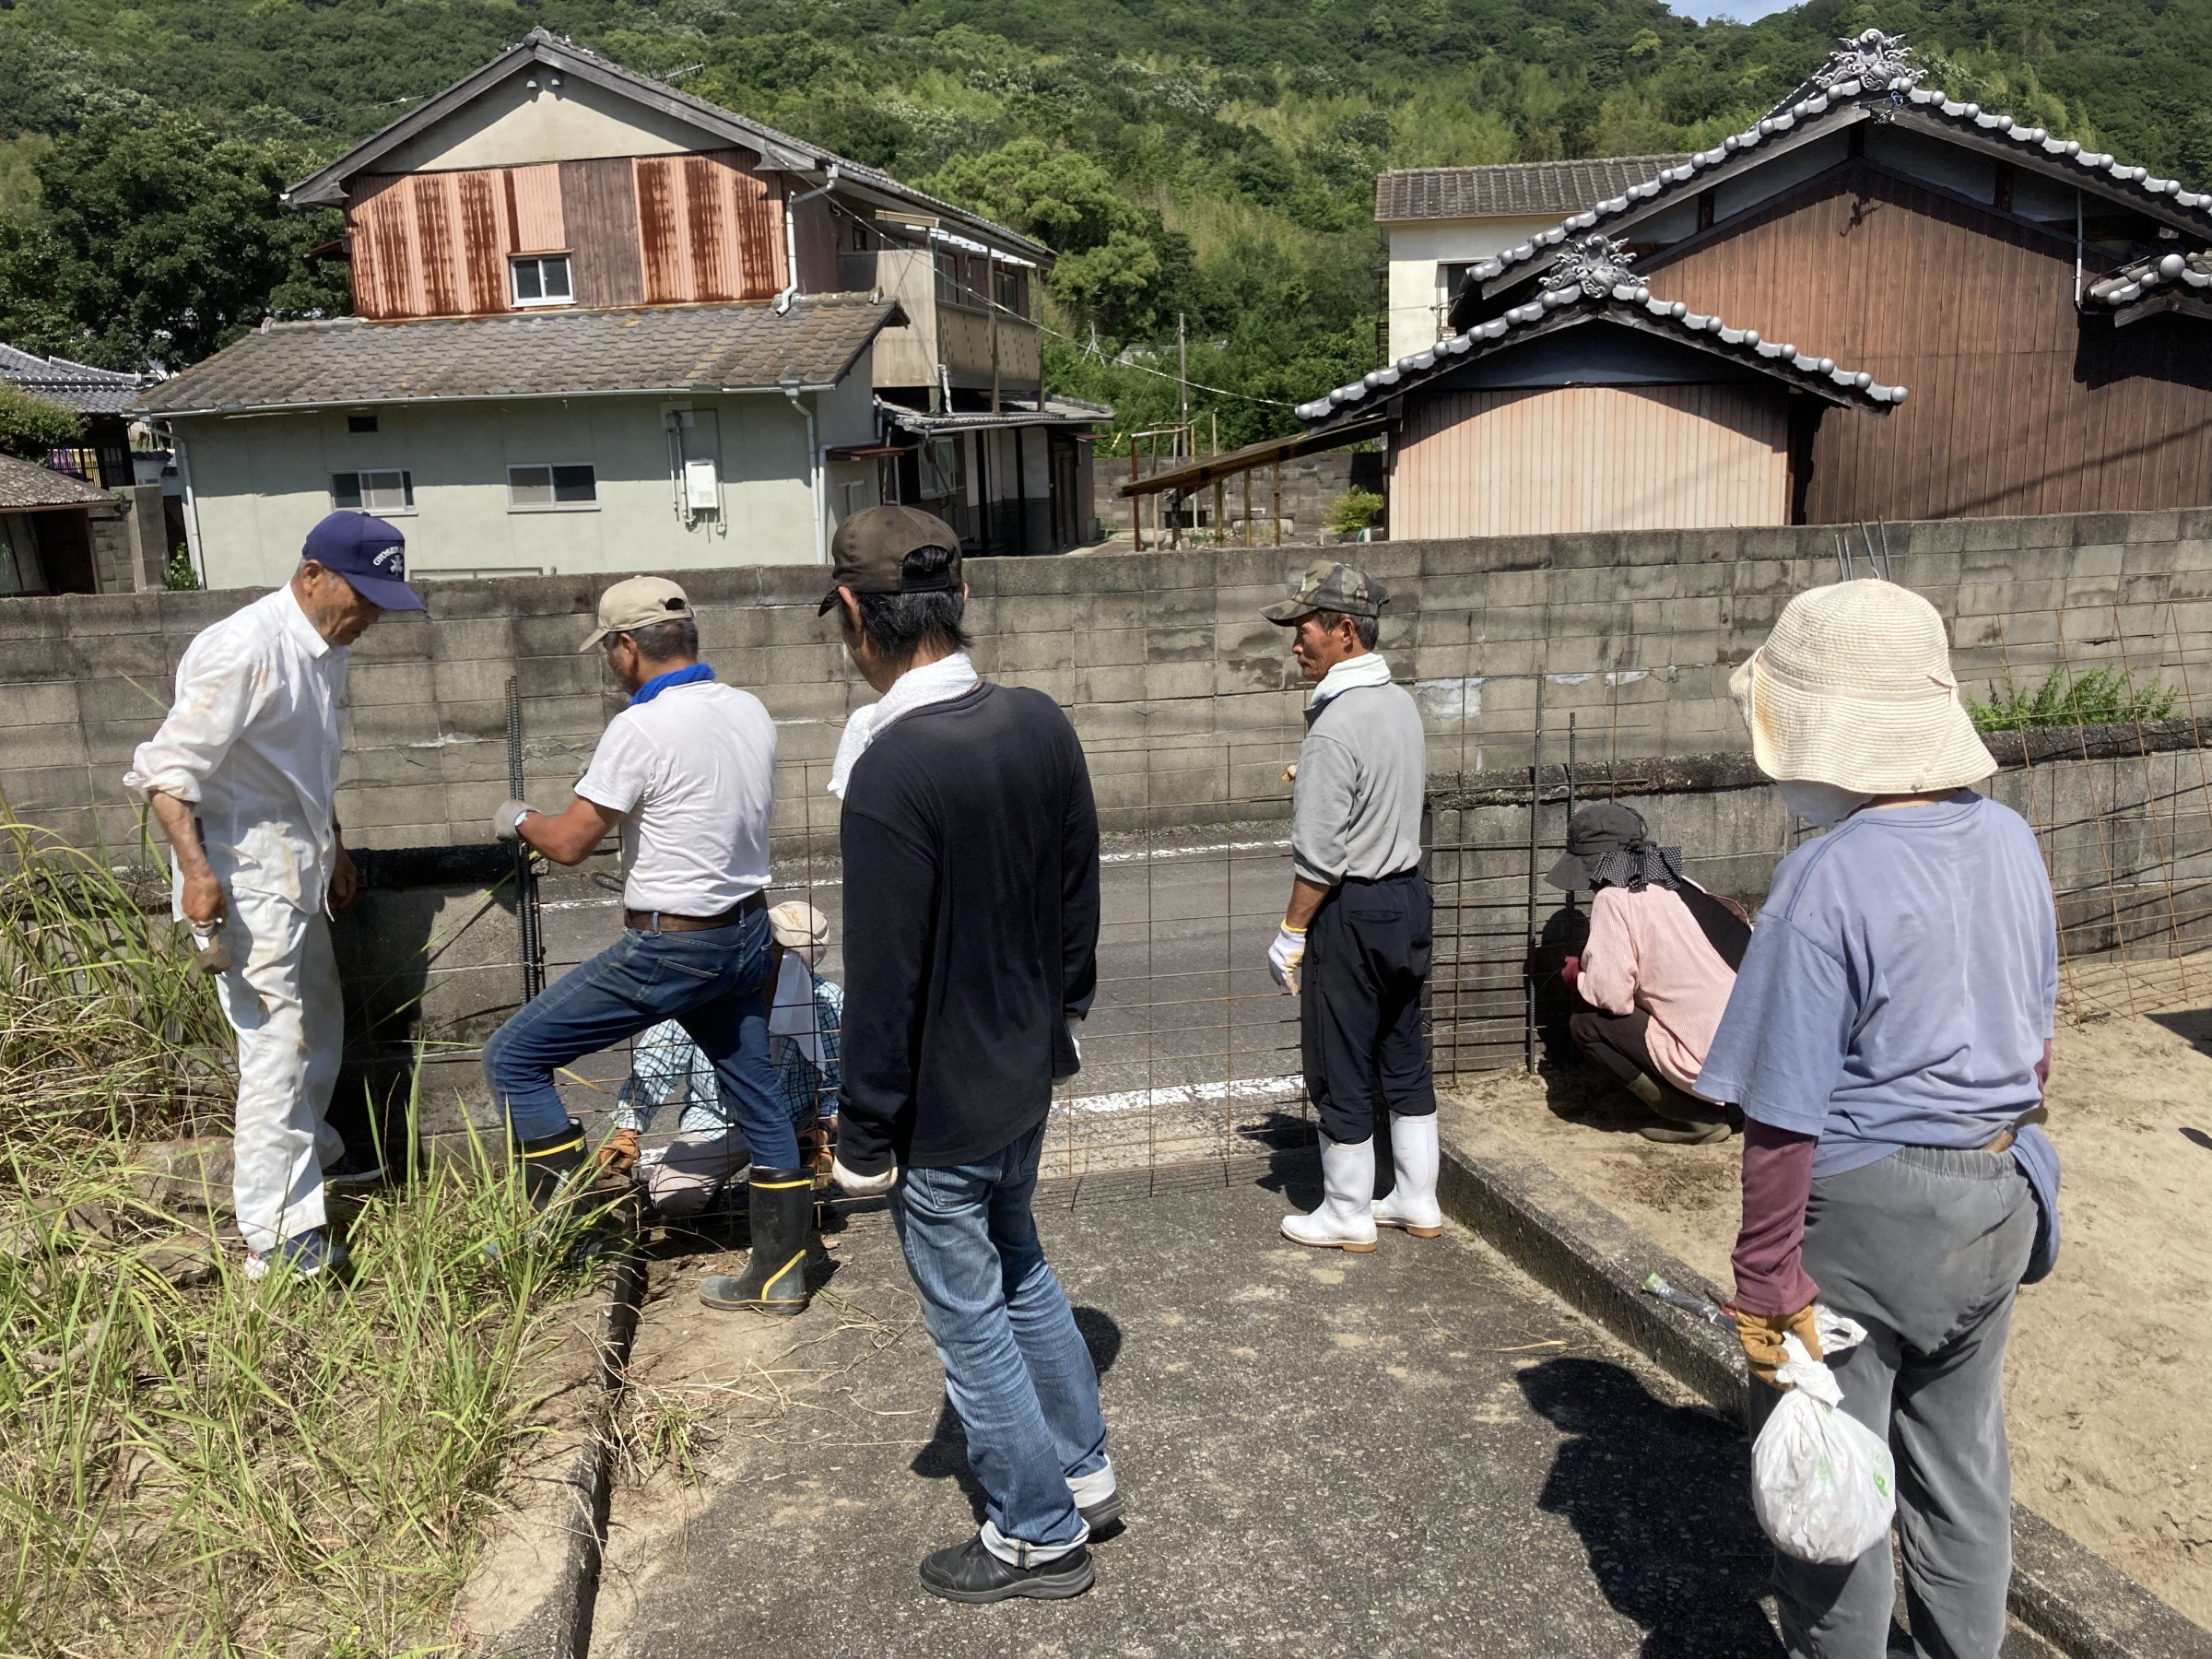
1886	1042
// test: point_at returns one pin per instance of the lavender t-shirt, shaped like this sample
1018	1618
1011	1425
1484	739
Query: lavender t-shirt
1900	987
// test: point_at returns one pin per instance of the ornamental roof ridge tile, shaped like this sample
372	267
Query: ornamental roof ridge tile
1630	298
1901	90
2182	273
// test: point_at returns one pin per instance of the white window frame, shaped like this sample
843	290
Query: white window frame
407	491
549	468
515	288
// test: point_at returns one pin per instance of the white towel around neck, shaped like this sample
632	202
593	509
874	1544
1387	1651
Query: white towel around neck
936	682
1366	669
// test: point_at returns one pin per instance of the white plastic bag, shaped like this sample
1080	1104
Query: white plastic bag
1824	1485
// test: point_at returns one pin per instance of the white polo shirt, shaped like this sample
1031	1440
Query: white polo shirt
693	774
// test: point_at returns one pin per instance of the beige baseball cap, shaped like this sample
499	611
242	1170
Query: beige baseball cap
639	602
798	926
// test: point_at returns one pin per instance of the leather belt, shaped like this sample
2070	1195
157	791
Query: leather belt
664	922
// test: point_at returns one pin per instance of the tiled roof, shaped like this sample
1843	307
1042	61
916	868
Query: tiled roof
542	45
25	486
79	386
1513	188
1594	283
1840	101
692	349
2189	275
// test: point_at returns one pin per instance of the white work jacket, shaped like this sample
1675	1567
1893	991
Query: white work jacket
253	742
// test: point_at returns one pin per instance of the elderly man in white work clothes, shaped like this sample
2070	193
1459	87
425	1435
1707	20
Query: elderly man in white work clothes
242	777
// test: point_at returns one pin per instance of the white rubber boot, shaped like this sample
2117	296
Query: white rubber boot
1412	1202
1347	1186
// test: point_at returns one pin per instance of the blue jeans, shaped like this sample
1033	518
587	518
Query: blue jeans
1015	1368
714	984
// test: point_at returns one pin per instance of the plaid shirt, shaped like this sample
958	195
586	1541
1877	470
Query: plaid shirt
666	1069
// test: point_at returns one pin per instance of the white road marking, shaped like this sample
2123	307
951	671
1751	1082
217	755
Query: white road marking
1186	1094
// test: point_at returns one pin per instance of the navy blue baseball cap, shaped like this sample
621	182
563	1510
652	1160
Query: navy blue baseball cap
370	554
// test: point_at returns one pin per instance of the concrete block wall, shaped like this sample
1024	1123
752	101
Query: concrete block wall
1186	700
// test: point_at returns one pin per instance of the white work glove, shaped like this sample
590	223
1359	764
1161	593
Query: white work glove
1284	956
862	1186
1074	1037
503	821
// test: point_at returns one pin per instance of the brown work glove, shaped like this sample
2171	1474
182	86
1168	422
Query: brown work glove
617	1153
1761	1335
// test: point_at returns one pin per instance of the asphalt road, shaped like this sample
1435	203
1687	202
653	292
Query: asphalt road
1403	1455
1192	1049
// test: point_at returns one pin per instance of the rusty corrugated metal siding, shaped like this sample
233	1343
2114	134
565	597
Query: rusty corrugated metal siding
2017	405
599	200
708	229
1568	459
658	230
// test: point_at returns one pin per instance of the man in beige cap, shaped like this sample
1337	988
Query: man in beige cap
1887	1039
686	772
1355	938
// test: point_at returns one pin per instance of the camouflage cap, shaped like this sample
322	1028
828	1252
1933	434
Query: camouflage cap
1329	586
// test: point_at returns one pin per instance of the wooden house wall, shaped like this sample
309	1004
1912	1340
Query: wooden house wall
659	231
1568	459
2017	404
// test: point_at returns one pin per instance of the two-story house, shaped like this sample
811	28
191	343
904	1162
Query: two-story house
604	326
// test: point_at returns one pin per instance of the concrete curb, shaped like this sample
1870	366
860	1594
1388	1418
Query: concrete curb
563	1590
2067	1594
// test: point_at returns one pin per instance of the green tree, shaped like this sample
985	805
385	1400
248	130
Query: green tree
160	242
29	425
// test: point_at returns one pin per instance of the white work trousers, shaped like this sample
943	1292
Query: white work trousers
281	996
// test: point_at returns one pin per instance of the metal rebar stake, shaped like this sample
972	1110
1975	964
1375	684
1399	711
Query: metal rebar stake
525	879
1535	795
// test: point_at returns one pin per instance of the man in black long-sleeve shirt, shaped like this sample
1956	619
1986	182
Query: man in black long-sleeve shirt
971	926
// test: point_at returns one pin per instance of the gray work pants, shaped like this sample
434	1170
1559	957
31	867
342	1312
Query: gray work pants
1925	1249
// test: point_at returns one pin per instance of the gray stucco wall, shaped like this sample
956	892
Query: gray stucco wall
1185	698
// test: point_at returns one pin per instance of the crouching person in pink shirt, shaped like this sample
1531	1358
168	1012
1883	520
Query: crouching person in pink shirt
1657	970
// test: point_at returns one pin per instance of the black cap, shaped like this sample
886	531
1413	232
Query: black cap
893	550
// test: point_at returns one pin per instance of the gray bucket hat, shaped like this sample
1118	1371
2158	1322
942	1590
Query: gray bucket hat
1607	827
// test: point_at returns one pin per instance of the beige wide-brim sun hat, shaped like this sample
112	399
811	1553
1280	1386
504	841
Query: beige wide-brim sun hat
1855	688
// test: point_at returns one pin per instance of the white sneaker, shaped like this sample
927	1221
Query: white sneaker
1344	1222
1412	1205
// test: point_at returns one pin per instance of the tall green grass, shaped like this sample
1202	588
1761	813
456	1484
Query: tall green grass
2100	697
295	1467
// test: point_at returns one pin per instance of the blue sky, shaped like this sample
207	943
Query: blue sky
1742	11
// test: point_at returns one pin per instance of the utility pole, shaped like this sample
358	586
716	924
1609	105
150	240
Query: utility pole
1182	377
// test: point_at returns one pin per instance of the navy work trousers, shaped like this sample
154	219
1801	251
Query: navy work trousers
1367	951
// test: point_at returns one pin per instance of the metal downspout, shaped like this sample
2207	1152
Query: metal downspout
791	237
815	483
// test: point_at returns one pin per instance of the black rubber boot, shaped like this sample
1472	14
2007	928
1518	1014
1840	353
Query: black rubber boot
548	1162
775	1280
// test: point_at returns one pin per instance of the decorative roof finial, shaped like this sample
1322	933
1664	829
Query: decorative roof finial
1876	60
1596	264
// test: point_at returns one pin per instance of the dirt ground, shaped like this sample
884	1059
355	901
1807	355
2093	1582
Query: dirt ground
2110	1437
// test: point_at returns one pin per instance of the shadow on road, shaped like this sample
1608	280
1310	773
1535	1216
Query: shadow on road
946	1455
1660	1496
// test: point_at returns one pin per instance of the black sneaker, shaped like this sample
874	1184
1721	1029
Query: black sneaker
969	1572
354	1168
1105	1517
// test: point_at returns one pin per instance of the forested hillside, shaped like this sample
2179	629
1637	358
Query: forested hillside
1208	158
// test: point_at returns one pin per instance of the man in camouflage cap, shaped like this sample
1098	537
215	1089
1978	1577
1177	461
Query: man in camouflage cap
1355	943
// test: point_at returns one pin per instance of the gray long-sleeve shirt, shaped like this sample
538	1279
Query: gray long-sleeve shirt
1356	812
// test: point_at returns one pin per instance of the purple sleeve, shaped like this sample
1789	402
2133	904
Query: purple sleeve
1778	1179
